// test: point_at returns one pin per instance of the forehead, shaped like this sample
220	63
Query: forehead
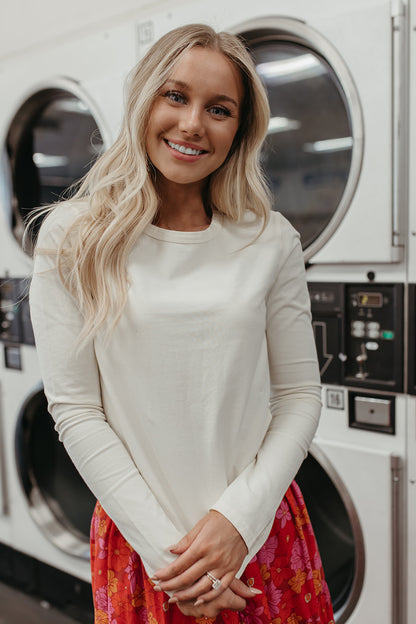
203	70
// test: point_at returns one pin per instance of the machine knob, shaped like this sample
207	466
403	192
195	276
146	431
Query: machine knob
361	359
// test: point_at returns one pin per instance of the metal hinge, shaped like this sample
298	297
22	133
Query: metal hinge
397	8
399	122
397	538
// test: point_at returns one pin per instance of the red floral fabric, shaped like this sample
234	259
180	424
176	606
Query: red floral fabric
287	569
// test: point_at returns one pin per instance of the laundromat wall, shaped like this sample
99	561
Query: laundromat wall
339	155
28	24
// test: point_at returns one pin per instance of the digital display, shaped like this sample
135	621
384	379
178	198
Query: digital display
370	300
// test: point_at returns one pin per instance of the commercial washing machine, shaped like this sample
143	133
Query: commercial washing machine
61	106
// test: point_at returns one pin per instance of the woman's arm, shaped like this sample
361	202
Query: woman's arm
72	386
250	502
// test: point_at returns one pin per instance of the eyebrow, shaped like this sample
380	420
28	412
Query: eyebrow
219	97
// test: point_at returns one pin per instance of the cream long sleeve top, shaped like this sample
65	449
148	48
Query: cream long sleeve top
207	395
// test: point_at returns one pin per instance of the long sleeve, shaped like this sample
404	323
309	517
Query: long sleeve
251	500
207	394
72	387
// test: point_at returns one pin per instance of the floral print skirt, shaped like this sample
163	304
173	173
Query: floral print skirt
287	569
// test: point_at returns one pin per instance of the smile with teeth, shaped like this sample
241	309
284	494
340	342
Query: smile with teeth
184	150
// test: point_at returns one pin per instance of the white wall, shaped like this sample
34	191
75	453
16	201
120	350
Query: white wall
27	23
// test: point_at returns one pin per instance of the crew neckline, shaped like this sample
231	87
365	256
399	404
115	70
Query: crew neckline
180	236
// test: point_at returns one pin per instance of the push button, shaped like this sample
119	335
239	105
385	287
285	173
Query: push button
358	329
373	329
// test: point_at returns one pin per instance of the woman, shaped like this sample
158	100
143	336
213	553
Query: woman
172	322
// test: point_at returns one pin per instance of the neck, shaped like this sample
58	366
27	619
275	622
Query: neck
182	208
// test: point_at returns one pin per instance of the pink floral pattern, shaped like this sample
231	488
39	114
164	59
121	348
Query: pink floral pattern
287	569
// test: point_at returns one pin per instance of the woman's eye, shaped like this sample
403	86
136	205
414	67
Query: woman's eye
220	111
174	96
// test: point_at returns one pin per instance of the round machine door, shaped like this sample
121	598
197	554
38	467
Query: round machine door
337	530
59	501
52	142
312	154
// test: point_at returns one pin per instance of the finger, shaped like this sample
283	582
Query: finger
243	590
188	608
184	543
230	601
188	539
190	576
203	587
238	603
214	593
177	567
191	593
180	548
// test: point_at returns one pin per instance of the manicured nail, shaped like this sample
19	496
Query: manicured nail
172	547
255	590
172	600
155	579
199	602
157	588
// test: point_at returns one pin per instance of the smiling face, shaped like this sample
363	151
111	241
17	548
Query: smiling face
195	117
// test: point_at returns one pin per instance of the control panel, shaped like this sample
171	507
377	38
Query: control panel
374	341
359	334
15	325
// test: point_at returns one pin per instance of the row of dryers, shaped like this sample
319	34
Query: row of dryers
336	160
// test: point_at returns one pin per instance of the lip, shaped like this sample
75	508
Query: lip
185	144
189	158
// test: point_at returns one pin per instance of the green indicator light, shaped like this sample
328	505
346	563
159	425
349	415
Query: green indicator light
387	334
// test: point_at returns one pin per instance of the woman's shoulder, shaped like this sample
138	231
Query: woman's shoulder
59	220
275	228
279	224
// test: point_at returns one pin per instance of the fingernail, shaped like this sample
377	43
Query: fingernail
172	547
255	590
157	588
172	600
155	579
199	602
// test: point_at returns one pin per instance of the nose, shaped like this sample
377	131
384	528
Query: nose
191	121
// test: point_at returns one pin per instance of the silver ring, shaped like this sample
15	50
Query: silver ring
216	583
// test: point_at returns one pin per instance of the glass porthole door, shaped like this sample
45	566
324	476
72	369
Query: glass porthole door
52	142
312	152
337	530
59	501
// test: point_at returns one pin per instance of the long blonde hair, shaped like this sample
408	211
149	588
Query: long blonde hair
120	189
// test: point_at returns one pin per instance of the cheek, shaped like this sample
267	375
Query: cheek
227	140
155	127
157	119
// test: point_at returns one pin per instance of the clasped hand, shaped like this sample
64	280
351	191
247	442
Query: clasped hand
213	545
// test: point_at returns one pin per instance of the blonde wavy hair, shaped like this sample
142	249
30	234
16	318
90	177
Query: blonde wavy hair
120	189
